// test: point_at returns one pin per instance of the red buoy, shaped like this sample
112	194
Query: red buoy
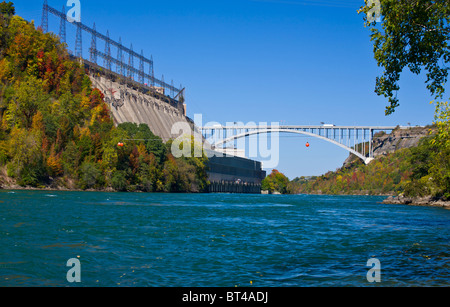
307	144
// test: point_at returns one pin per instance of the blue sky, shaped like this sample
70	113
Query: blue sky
295	62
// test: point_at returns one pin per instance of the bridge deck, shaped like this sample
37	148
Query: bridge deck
293	127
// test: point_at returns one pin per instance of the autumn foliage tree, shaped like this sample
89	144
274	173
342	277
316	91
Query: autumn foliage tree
56	130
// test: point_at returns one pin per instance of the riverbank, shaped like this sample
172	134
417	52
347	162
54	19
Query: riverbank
391	200
51	188
417	201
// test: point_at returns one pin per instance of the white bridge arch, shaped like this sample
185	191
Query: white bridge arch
350	138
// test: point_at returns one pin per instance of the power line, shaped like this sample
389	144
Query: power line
325	3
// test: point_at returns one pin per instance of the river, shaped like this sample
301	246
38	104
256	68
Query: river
219	240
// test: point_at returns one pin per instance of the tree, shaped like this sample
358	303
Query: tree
416	34
275	182
412	34
440	168
7	9
29	96
119	181
54	124
26	163
90	175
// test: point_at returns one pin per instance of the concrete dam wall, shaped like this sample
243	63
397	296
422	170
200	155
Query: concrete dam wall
130	104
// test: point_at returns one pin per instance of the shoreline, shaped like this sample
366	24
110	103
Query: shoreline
106	190
417	201
62	189
390	200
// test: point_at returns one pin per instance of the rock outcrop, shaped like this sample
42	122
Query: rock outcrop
417	201
400	138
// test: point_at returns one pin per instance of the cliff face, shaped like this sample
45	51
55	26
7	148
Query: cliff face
398	139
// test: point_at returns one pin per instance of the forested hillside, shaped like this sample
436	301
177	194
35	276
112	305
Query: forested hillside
56	129
417	171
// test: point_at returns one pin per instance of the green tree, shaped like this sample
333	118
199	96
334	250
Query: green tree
26	162
90	175
275	182
440	168
28	97
119	181
149	173
142	134
415	34
172	182
7	9
412	34
421	159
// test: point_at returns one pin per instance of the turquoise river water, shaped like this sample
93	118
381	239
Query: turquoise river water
219	240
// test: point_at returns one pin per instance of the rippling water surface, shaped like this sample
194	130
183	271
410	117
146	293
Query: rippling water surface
219	240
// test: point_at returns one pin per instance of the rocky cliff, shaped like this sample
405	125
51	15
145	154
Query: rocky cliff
399	138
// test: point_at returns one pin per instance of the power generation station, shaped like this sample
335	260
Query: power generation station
133	93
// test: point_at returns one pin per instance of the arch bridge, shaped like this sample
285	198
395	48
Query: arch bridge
358	140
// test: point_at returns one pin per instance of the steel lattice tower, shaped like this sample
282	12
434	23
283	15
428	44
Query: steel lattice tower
141	68
152	72
79	41
124	69
131	63
62	26
119	67
93	49
44	21
107	60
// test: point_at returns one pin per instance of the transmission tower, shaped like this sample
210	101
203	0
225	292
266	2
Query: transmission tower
141	67
79	41
119	67
44	20
62	26
107	61
131	63
93	57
